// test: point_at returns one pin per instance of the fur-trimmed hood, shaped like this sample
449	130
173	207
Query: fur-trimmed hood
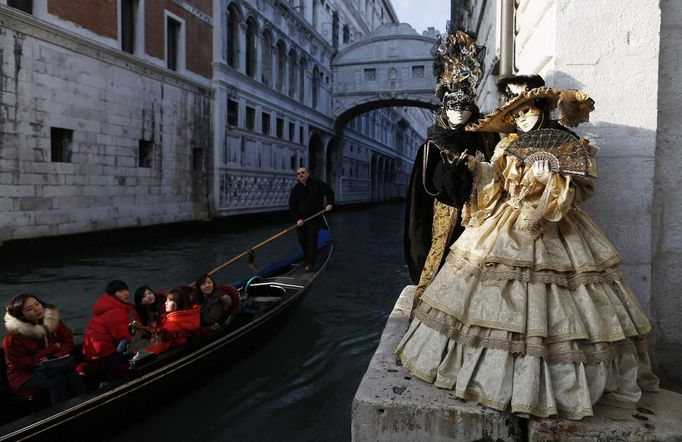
34	331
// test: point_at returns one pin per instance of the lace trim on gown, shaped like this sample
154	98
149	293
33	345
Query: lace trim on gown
570	280
555	353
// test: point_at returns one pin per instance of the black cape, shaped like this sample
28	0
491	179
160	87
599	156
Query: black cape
435	177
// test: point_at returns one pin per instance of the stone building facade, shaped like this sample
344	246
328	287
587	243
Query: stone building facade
130	113
273	82
626	58
98	130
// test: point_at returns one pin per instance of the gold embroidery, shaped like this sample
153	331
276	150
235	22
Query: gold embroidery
444	220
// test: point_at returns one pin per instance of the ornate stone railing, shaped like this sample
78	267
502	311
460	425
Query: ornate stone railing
253	190
355	189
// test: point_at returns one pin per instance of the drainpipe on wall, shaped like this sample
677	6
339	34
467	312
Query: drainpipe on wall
507	38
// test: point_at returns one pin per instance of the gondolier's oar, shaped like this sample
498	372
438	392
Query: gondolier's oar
262	243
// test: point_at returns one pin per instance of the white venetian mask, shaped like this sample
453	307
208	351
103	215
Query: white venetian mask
457	117
526	118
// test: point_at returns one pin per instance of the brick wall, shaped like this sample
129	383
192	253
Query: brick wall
99	16
198	34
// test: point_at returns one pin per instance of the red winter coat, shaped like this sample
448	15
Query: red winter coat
26	344
108	326
175	329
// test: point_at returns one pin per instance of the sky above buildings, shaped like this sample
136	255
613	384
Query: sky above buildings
422	14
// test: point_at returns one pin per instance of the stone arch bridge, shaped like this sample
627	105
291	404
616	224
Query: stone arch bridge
391	67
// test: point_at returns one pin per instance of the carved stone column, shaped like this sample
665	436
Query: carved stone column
241	52
219	27
258	55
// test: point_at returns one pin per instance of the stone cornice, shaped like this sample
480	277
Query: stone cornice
370	63
198	13
25	24
389	37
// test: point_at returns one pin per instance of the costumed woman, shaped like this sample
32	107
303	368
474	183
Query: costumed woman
440	182
530	312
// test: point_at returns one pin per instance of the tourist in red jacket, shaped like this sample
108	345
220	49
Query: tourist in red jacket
36	334
108	331
180	322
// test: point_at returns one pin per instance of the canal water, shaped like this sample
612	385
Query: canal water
299	386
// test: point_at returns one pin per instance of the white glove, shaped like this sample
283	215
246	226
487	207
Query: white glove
541	171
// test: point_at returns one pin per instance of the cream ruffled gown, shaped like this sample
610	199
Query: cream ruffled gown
530	312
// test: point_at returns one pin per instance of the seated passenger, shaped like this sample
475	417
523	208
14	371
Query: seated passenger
36	334
149	306
216	302
108	332
180	322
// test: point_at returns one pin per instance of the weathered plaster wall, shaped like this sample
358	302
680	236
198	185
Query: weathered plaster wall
110	100
613	54
667	206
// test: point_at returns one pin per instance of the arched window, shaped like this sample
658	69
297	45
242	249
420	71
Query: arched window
292	73
266	57
301	80
346	34
251	56
233	21
281	65
316	86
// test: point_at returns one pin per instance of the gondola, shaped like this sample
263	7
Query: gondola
269	296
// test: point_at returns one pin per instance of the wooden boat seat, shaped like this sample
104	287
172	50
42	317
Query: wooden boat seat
265	290
266	299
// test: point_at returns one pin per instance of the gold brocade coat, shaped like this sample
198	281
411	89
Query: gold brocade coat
530	312
444	221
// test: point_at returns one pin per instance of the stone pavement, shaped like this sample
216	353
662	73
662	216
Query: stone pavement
391	405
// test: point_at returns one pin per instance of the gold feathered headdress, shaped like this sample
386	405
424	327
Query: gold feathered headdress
457	64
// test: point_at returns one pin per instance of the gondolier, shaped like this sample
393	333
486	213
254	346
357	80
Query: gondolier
306	199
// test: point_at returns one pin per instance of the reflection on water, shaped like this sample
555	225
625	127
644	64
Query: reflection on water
299	386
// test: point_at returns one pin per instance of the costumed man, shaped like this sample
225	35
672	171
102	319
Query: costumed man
440	182
307	199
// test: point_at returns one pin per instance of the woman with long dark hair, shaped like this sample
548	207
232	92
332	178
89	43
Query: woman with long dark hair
149	305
